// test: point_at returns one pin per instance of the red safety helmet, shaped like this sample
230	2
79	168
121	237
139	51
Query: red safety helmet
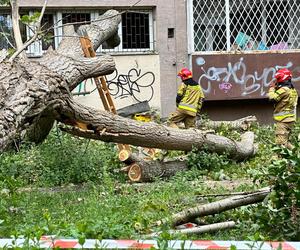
185	73
283	75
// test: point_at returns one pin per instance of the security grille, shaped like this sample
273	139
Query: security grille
135	30
228	25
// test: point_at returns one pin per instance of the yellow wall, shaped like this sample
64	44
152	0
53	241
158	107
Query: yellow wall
137	79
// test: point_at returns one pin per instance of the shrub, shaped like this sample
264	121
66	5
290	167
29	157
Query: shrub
61	159
279	216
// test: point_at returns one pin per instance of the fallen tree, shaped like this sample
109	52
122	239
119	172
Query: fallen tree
33	94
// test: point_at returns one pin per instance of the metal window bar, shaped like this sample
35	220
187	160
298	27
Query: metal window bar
228	25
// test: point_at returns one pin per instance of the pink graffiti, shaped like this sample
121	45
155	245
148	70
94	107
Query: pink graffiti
225	86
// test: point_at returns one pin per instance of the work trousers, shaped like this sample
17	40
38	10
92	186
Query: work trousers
282	133
180	116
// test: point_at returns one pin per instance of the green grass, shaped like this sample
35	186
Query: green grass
95	201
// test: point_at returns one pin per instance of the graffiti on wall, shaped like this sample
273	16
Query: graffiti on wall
239	76
135	84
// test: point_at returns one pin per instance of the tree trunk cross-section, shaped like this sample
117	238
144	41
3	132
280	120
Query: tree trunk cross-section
33	94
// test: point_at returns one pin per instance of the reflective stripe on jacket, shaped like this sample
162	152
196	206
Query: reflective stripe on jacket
192	97
286	102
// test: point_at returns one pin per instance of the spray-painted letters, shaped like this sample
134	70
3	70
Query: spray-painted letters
133	84
247	76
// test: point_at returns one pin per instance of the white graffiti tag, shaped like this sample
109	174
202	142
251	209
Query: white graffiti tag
237	74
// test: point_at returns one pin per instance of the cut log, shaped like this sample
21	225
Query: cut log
243	123
144	171
216	207
128	157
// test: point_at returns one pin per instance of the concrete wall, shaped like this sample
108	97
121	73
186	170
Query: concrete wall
173	51
137	79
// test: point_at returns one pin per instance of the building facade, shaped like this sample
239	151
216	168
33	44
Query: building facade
153	46
233	48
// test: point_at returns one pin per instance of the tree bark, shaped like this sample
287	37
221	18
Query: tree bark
30	90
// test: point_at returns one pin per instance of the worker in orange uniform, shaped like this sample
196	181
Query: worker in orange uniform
188	101
285	97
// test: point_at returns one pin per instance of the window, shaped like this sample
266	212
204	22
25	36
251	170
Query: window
246	25
6	32
6	35
136	33
48	24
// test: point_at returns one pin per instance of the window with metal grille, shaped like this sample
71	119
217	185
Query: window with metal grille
227	25
136	33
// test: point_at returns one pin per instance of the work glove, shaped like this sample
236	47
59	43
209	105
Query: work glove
273	83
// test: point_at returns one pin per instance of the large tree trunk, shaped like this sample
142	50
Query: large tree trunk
112	128
30	91
35	93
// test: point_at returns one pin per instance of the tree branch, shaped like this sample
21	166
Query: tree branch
216	207
199	230
15	23
34	37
